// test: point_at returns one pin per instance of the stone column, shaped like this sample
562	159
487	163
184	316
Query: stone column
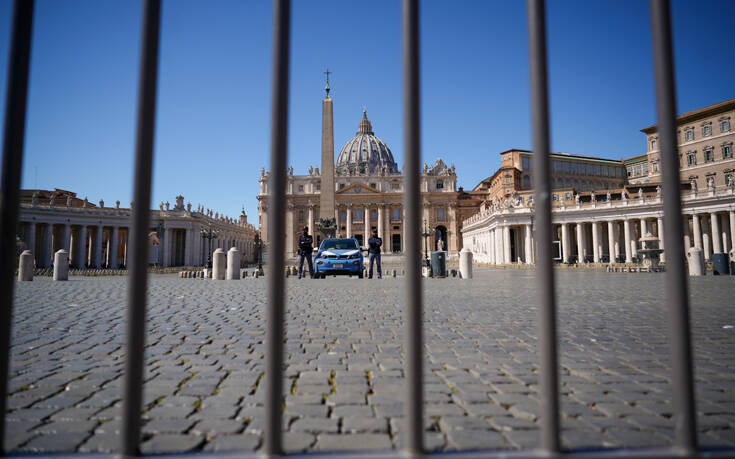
616	236
628	253
611	241
349	220
387	234
113	247
263	226
732	230
311	222
491	246
725	234
381	222
97	260
167	246
660	227
580	243
66	242
644	230
697	231
366	222
48	248
528	246
596	244
290	252
716	236
31	239
565	249
453	236
706	242
80	258
506	244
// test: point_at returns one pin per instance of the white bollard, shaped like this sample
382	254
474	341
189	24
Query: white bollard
25	266
233	264
61	265
465	263
695	257
218	265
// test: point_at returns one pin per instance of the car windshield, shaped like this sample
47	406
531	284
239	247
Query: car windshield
339	244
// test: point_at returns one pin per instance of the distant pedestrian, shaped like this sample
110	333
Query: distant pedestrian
374	244
305	251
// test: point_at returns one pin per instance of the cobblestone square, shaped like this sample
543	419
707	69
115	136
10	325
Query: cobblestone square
204	363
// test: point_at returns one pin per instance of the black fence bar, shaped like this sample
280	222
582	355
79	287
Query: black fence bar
412	310
545	294
138	282
276	232
13	139
677	295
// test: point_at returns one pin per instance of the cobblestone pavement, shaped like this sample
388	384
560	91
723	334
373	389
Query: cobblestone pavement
204	370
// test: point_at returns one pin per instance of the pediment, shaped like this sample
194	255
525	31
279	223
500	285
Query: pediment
357	188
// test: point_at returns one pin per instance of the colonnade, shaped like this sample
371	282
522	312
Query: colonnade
94	246
602	240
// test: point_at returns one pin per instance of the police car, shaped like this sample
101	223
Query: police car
338	256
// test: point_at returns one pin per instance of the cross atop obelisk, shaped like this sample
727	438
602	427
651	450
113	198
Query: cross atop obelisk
327	87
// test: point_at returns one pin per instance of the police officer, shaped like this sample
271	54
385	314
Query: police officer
374	244
305	250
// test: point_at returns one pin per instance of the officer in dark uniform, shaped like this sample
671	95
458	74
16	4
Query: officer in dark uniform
305	250
374	244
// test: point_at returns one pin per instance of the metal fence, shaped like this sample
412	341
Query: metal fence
685	443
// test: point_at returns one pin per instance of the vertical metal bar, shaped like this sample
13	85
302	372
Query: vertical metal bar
13	138
412	311
545	295
138	282
677	295
276	233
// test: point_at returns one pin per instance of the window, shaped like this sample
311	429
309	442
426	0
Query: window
358	215
507	180
525	163
343	216
637	170
727	151
374	186
654	165
554	197
653	144
396	213
440	214
341	185
395	186
729	178
439	184
630	170
691	158
709	155
318	187
301	188
706	129
725	125
374	215
567	196
301	216
689	135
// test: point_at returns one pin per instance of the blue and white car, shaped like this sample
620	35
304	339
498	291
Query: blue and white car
338	256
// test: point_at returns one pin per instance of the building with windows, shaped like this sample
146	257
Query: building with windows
96	236
363	190
705	139
599	215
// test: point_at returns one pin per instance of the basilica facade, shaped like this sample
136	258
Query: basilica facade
363	191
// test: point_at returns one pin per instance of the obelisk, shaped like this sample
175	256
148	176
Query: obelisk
326	200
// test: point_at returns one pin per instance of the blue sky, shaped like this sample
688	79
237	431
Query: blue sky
212	133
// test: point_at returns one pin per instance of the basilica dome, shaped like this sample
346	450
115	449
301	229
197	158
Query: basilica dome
365	153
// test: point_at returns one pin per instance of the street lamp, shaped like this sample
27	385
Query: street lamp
259	253
426	235
209	233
